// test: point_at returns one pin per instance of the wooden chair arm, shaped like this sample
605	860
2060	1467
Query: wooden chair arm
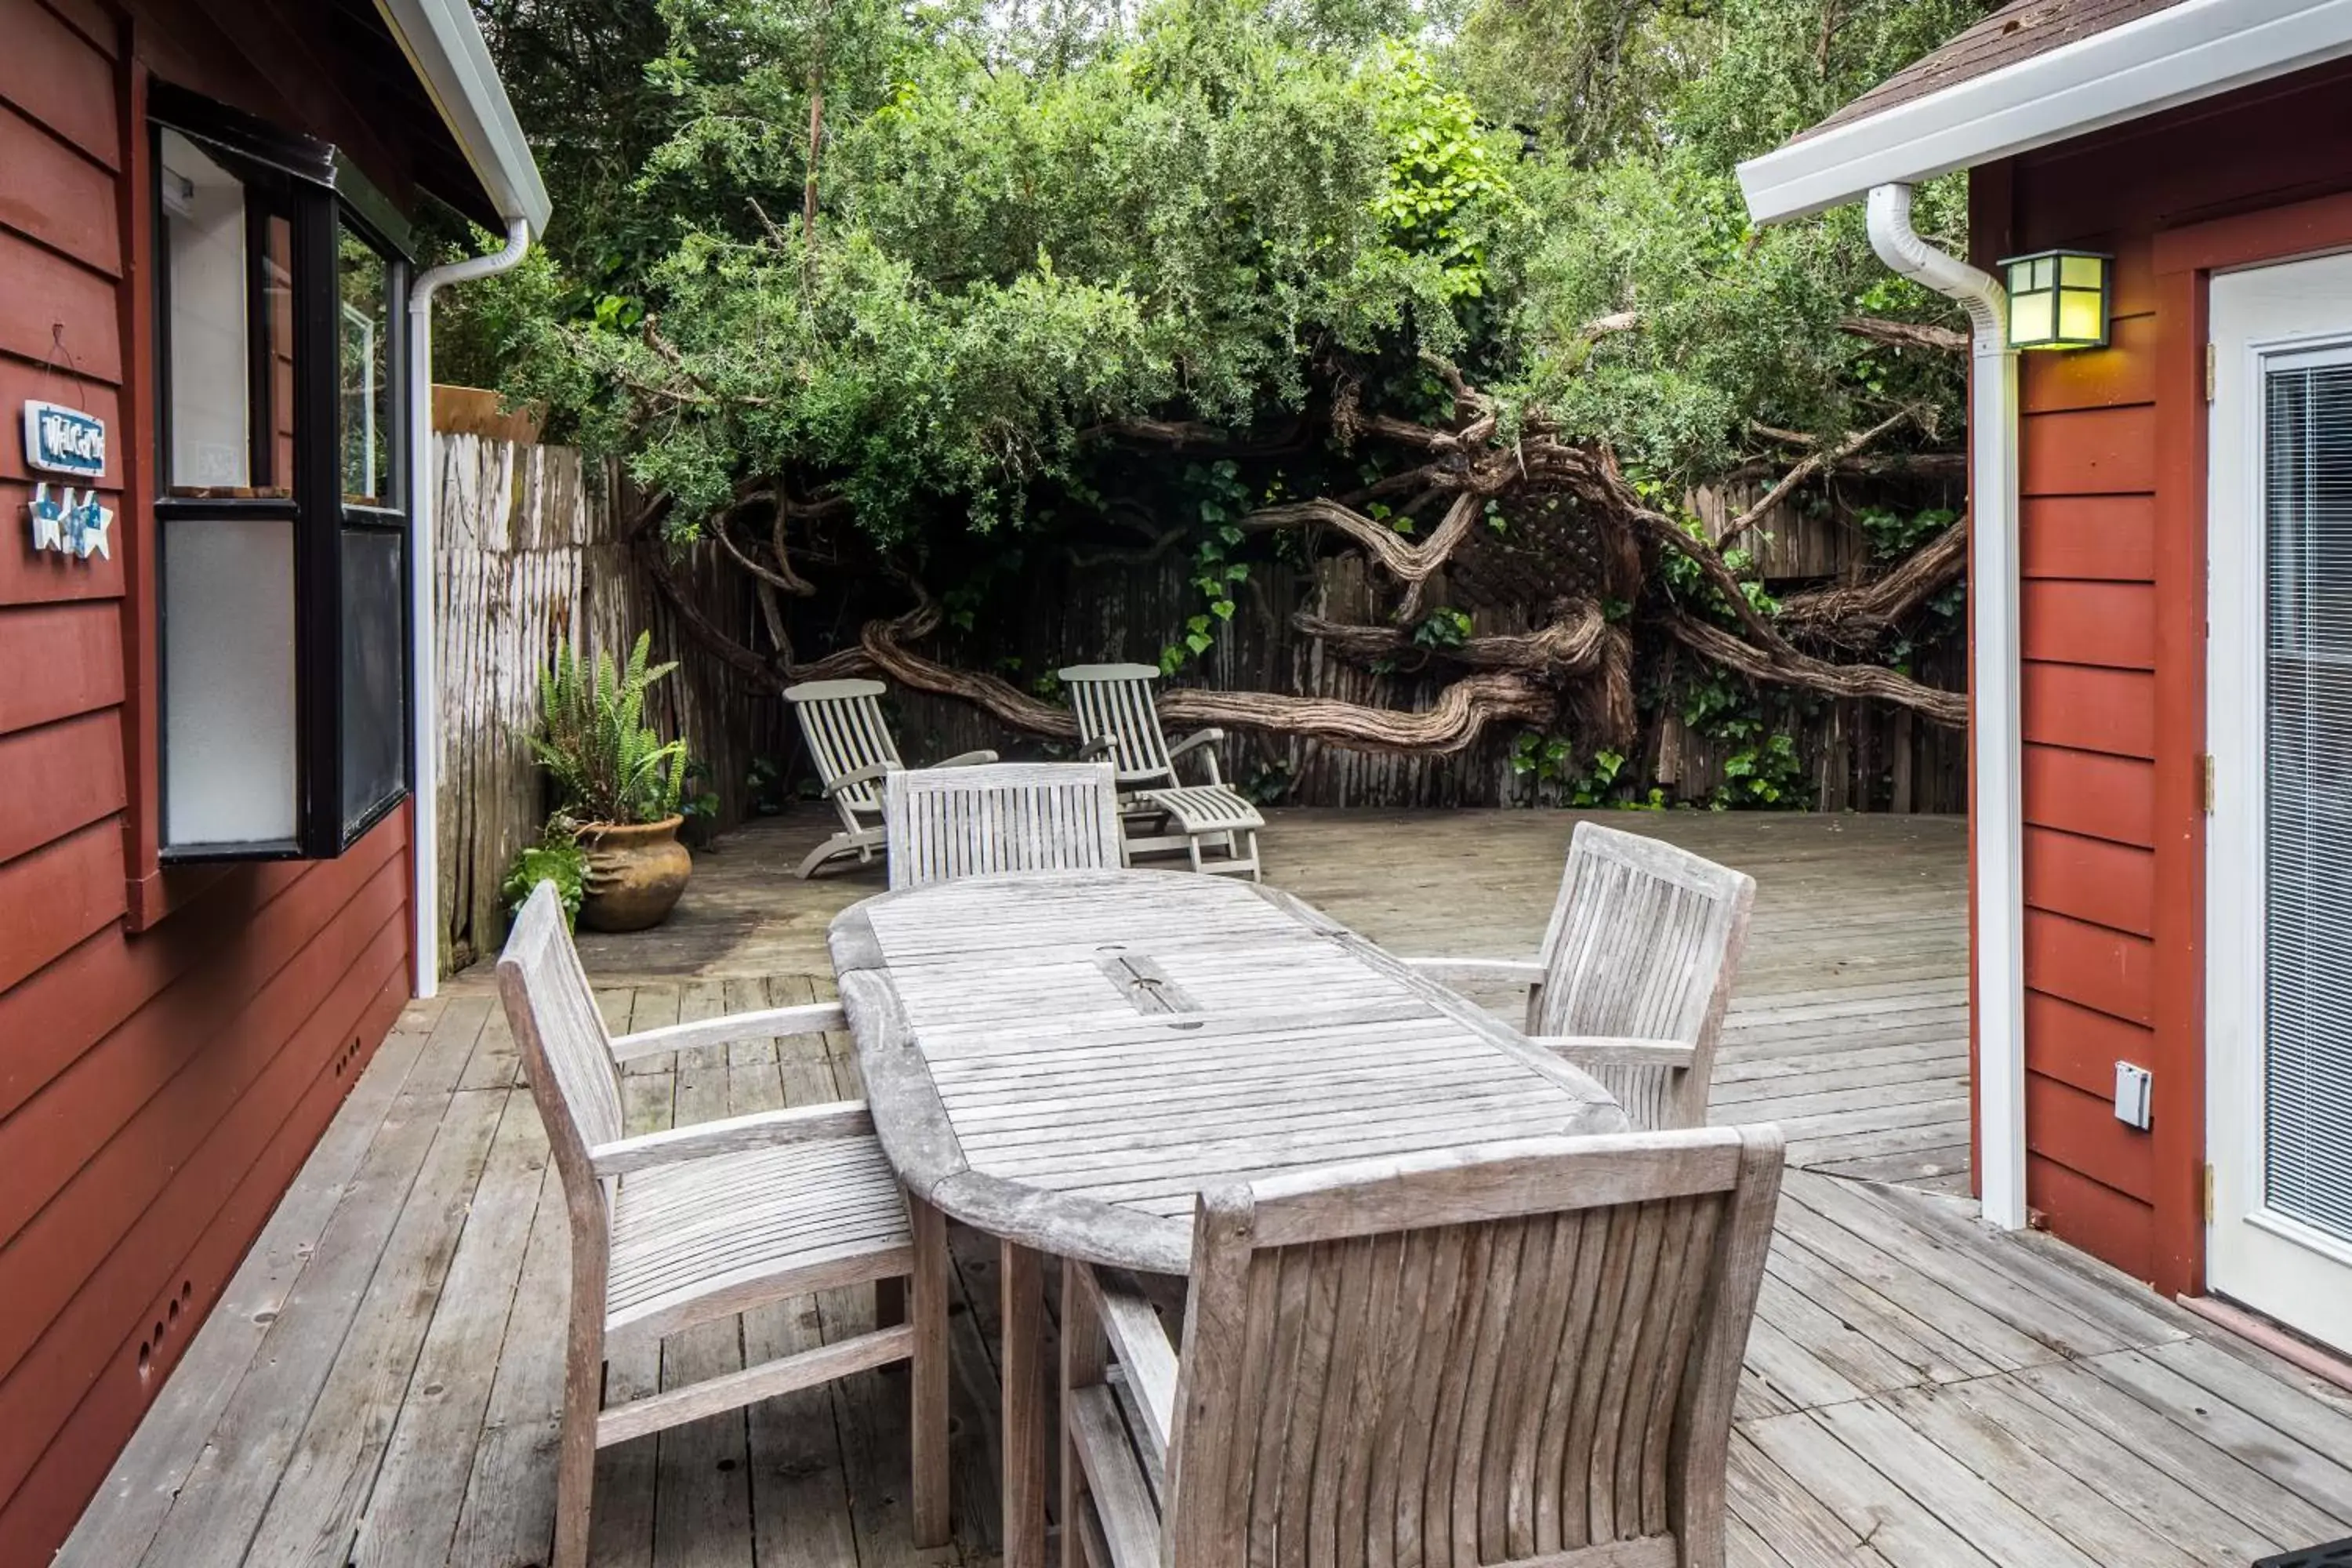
1603	1050
1194	742
1100	746
1140	1344
1199	737
980	758
734	1135
809	1018
1454	971
866	775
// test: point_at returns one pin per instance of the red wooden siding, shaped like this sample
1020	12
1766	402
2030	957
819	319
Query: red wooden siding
158	1089
2111	467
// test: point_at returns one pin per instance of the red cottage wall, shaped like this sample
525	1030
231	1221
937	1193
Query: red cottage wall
171	1044
2112	541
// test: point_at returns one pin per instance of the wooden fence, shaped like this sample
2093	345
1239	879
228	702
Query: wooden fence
529	556
1858	756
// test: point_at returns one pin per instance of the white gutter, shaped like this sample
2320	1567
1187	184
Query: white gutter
445	48
2171	57
1995	793
424	698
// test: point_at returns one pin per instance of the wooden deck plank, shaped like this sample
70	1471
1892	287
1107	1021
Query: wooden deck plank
236	1472
123	1523
507	1519
414	1503
318	1504
1922	1393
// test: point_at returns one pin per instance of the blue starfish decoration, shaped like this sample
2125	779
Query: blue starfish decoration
86	526
49	518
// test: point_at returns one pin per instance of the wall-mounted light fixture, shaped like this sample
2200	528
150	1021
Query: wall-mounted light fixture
2057	299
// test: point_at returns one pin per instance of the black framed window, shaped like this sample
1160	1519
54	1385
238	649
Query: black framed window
281	507
373	588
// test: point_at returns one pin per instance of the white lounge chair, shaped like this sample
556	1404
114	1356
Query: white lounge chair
1119	723
1635	970
849	742
1517	1356
1006	817
684	1226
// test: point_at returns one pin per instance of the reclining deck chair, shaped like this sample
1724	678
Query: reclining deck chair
850	744
1636	971
697	1223
1523	1355
1119	723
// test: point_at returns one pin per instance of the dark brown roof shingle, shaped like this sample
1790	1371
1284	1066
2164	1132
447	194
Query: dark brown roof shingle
2014	33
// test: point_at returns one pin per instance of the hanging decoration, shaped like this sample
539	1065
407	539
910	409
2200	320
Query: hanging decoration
70	524
62	440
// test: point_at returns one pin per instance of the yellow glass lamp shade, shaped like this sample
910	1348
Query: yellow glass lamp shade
2057	299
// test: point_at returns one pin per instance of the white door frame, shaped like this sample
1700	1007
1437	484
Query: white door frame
2261	318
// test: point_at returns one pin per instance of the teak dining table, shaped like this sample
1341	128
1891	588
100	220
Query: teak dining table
1065	1060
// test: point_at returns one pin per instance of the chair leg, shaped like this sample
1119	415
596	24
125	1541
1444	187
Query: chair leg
929	1304
575	1465
839	844
1085	1357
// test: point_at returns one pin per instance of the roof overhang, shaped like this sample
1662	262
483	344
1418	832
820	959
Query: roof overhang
445	47
2176	55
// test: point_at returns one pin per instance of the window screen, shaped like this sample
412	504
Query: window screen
2307	479
375	672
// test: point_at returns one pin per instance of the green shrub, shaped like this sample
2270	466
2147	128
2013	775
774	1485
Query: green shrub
557	858
608	765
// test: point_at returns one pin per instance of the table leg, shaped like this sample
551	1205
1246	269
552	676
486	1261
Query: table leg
929	1404
1023	1284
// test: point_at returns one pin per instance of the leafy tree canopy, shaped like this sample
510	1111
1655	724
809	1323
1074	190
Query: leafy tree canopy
1035	228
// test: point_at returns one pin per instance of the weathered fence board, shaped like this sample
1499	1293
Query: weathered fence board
1858	756
528	556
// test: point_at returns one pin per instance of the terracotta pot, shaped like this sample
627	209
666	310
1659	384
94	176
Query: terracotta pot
636	873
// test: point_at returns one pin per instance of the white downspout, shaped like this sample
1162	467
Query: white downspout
1995	788
423	698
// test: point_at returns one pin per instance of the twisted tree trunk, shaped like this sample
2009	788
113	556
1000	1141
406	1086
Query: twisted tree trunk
1582	659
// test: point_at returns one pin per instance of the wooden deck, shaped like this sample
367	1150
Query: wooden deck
380	1383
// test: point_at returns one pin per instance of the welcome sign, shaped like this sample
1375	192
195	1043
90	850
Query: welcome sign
61	440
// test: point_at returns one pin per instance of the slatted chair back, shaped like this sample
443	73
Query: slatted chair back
1644	943
565	1045
841	722
945	823
1113	704
1523	1354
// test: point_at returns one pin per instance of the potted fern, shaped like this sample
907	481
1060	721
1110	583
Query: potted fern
617	781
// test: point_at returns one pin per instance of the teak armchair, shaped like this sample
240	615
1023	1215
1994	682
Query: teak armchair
849	742
681	1227
1517	1356
1635	970
1000	817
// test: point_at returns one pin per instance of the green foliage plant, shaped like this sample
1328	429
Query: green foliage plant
557	858
607	764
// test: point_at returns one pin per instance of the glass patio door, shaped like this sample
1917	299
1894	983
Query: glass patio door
2279	866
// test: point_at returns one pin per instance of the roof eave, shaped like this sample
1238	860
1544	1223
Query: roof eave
445	45
2182	53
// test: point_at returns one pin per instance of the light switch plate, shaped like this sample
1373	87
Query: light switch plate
2135	1090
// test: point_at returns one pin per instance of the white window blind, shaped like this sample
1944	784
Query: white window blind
2307	792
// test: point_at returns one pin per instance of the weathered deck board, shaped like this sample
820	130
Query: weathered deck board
1920	1391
